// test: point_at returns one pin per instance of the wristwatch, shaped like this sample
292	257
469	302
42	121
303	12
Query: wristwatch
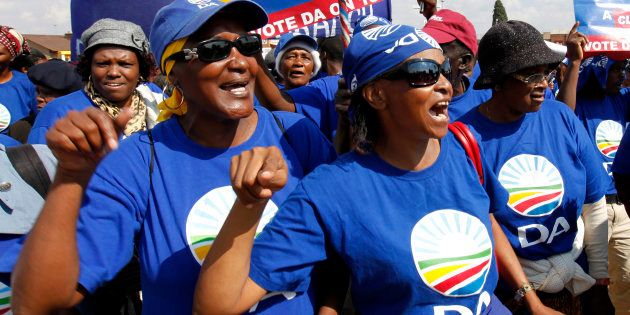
522	290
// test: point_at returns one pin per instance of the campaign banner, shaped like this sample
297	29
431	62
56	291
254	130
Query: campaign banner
317	18
606	24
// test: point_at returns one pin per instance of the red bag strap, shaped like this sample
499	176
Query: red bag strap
470	145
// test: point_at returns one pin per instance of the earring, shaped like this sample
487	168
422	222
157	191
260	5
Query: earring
180	102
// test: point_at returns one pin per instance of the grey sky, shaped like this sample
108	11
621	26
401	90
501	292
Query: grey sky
53	16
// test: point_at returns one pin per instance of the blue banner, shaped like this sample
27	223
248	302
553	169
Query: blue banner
313	17
606	23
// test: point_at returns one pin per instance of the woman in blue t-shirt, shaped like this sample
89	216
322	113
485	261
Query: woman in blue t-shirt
405	212
167	190
543	157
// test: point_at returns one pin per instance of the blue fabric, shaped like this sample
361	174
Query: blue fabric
472	98
597	66
377	50
621	164
394	229
8	141
317	102
549	95
605	121
17	99
369	20
548	165
55	110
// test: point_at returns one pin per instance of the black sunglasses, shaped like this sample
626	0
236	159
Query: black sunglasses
212	50
420	72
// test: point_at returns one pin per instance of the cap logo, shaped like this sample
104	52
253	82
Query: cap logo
381	31
141	44
436	18
368	21
204	3
354	84
406	40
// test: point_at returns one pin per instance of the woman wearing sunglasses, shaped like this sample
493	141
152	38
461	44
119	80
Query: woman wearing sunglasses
542	155
413	225
167	189
114	62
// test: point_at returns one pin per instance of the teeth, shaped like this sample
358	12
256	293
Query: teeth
444	103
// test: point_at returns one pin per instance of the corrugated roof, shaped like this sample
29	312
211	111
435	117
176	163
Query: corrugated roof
52	42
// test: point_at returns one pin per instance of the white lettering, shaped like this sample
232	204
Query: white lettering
442	309
484	302
623	19
560	222
307	18
404	41
607	15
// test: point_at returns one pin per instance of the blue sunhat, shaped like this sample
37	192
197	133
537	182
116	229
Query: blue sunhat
367	20
292	40
183	17
377	50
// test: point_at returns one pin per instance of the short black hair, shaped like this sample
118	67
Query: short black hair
85	62
333	46
26	60
457	47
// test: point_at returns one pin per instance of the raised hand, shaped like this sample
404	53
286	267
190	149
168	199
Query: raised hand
257	173
575	43
81	139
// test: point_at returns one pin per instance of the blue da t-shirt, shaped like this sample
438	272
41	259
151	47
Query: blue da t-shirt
621	165
548	165
8	141
605	120
17	99
415	242
176	219
470	99
55	110
317	102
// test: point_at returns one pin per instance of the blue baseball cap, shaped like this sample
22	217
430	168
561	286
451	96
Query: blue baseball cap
368	20
182	18
597	66
377	50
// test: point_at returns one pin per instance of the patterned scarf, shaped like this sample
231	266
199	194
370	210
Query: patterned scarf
13	41
138	107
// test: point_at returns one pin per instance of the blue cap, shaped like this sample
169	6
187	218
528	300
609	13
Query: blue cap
288	38
377	50
182	18
367	20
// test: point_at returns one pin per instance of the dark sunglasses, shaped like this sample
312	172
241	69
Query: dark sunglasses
420	72
212	50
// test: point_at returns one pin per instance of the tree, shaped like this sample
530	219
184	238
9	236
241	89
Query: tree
499	14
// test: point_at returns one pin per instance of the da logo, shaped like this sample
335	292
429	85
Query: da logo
452	252
208	215
5	299
5	117
608	136
534	184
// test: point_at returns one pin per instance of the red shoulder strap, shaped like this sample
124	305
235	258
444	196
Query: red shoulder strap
470	145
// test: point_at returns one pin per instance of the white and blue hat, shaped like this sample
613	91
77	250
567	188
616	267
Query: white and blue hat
375	51
368	20
295	40
184	17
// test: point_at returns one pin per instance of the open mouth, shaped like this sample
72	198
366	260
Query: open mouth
238	88
296	73
439	111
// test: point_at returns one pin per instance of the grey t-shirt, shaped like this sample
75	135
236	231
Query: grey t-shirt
20	204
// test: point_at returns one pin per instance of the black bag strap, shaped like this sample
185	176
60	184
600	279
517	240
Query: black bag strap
281	126
29	166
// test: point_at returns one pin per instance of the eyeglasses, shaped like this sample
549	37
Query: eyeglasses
218	49
420	72
535	78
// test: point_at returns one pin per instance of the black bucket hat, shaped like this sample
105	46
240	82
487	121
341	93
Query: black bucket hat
508	47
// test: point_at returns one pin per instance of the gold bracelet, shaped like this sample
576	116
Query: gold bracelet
522	290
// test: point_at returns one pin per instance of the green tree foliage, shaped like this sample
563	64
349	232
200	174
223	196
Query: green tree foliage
499	14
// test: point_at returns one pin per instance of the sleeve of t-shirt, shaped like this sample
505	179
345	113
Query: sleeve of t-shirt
32	98
111	215
44	120
309	144
596	176
286	251
310	102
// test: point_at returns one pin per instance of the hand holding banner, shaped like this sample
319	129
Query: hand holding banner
606	24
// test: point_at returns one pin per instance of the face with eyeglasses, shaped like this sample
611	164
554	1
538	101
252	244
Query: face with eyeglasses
525	89
413	97
216	70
